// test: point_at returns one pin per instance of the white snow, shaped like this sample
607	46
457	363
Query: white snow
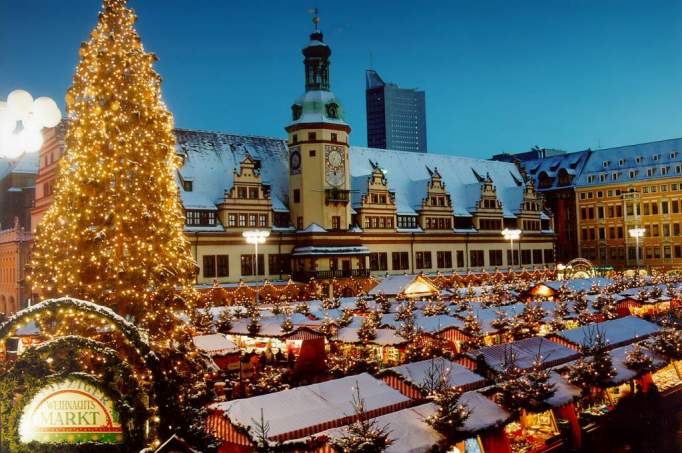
384	337
302	407
215	344
417	372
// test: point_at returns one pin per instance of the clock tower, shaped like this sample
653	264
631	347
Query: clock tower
319	173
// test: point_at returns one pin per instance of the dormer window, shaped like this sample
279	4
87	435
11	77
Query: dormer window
621	162
664	170
674	154
650	171
606	163
199	217
656	157
187	186
638	159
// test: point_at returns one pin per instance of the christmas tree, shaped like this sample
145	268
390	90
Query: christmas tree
473	332
364	435
451	413
114	234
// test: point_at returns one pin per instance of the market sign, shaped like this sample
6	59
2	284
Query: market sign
70	411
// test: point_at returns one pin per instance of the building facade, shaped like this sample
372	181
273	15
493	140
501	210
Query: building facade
17	184
339	211
396	117
598	196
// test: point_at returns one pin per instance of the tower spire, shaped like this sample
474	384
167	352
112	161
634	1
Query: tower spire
316	62
316	17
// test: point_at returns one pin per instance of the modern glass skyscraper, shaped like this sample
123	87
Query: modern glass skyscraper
396	117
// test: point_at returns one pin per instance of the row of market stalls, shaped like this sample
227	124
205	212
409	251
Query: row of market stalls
305	334
309	418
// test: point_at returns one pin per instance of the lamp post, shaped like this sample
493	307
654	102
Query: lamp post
256	237
22	120
511	236
637	233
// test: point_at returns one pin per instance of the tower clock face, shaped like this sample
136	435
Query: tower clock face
295	161
335	165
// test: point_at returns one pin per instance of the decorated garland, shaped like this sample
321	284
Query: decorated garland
32	372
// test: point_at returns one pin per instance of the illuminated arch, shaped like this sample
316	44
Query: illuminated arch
138	347
71	305
579	268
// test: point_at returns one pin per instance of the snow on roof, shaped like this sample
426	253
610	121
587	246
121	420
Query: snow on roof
526	351
197	200
384	337
552	166
564	391
623	373
617	332
620	160
408	430
408	176
392	285
311	250
458	375
579	284
310	405
484	413
30	329
313	228
26	163
210	159
215	344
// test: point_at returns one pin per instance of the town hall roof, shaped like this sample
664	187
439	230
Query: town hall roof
210	159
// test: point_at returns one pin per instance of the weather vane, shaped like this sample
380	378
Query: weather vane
316	17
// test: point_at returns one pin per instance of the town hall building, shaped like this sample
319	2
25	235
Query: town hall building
338	211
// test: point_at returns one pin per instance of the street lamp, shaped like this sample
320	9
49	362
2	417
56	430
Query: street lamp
256	237
22	120
511	236
637	233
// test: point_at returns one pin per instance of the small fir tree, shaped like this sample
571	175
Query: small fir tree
364	435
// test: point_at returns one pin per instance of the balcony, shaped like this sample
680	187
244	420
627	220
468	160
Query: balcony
304	276
337	196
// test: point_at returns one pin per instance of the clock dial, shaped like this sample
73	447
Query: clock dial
295	162
335	178
335	171
335	159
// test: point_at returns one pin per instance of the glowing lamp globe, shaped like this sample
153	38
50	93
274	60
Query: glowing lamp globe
20	103
46	111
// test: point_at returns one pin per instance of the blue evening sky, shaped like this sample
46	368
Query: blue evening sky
499	75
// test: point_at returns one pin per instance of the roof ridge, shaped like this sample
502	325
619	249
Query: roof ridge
234	134
636	144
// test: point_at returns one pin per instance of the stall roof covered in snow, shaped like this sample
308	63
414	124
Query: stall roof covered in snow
483	413
617	332
415	285
215	344
310	405
210	159
408	430
418	373
564	391
623	373
579	284
526	351
384	337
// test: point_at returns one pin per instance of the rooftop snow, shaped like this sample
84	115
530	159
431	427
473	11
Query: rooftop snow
210	159
310	405
617	332
458	375
526	351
